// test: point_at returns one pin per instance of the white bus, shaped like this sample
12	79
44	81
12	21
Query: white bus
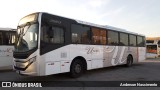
153	48
50	44
7	39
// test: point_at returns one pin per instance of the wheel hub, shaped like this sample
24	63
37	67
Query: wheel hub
78	68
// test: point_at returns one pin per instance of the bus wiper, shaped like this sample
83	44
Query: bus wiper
20	33
28	24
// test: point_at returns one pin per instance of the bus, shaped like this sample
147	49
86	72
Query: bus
153	48
50	44
7	39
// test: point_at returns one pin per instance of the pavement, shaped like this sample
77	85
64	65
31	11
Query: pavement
148	70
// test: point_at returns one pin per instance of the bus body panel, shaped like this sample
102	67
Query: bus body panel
96	56
59	60
134	52
32	69
151	55
56	61
7	40
141	54
6	57
115	55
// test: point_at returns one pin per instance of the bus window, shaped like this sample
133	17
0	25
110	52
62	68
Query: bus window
52	34
103	37
123	39
58	35
140	41
132	40
98	36
95	36
80	34
152	49
1	39
149	41
9	38
13	39
144	41
112	38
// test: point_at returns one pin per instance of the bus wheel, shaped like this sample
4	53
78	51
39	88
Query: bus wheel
129	61
76	69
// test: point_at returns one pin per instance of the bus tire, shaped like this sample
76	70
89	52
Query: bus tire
129	61
76	69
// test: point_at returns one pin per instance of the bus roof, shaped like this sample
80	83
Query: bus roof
107	27
96	25
7	29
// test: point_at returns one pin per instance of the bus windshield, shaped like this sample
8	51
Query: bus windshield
26	38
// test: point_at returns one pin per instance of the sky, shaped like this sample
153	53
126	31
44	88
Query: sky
140	16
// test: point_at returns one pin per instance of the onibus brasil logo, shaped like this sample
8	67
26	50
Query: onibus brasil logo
20	84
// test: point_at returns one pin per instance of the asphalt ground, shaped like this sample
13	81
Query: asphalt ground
148	70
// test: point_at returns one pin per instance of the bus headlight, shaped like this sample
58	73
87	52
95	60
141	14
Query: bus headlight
32	60
26	64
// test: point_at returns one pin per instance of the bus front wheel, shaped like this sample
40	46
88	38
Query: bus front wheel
76	69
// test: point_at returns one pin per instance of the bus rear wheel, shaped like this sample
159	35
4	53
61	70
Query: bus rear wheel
76	69
129	61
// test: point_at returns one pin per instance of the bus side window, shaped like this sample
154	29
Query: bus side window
57	35
12	38
123	39
95	36
113	38
80	34
1	39
99	36
52	34
43	34
132	40
9	38
6	38
140	41
103	37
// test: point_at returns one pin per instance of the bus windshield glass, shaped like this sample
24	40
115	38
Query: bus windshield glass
26	38
29	18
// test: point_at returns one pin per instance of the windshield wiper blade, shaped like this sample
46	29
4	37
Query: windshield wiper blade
20	33
28	24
